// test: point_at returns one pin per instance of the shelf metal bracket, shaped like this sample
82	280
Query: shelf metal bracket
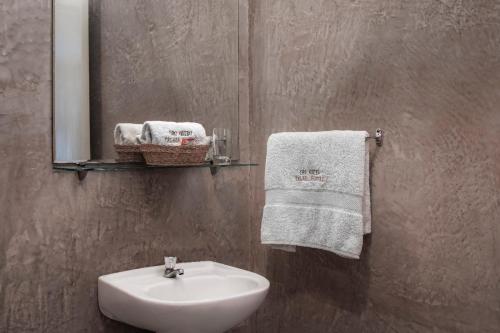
81	174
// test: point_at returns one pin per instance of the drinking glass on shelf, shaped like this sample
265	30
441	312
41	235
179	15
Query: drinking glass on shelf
221	141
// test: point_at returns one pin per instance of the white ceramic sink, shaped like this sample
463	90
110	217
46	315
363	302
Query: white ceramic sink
209	297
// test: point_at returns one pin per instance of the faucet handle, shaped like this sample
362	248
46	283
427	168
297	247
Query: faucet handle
170	262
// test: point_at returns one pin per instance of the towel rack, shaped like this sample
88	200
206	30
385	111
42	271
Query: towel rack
378	137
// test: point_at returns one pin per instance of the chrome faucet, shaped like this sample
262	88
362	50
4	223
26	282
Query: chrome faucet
170	270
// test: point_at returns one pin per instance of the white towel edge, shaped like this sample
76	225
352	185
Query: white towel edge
348	255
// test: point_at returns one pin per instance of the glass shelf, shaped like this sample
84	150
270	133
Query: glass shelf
83	167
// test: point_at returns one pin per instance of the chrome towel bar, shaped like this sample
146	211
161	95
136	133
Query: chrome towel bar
378	137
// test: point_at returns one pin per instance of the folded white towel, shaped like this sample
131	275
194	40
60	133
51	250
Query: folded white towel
317	191
127	134
170	133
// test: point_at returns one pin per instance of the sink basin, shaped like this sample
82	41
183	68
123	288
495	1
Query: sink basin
209	297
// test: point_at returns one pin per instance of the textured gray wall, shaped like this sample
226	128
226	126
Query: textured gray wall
58	234
428	72
162	60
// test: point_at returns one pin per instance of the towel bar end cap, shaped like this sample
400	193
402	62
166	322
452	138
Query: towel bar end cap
379	136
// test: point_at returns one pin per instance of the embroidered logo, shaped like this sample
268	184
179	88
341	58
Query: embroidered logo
311	175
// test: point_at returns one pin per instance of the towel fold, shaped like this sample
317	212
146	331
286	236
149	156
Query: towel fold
317	191
127	134
170	133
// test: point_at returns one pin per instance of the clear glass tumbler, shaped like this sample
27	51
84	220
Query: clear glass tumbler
221	141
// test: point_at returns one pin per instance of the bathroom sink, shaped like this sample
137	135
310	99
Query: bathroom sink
209	297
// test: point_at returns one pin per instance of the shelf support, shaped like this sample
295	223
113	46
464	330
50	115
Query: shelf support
81	174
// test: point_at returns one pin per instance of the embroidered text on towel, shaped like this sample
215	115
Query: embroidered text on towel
311	175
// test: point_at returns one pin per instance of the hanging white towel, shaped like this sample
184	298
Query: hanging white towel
317	191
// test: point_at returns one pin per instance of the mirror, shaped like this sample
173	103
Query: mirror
132	61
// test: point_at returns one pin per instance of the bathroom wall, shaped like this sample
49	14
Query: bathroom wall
428	73
59	234
425	71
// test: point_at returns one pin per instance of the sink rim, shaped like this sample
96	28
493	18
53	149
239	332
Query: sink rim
118	282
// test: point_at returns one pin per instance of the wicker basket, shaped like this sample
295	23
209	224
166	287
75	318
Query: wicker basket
129	153
174	155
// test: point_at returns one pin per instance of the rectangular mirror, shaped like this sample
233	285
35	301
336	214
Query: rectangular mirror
132	61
